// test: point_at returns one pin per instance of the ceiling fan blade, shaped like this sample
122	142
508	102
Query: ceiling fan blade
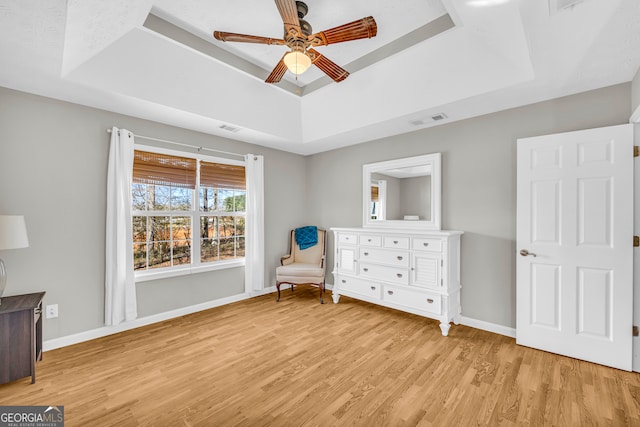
289	13
233	37
330	68
278	72
361	29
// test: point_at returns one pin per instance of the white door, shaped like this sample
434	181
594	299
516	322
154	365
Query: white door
574	268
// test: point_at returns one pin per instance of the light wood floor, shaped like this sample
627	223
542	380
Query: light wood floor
296	362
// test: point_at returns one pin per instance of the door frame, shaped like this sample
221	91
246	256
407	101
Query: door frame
636	252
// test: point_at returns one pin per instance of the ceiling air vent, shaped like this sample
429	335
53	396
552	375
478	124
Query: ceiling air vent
556	6
434	118
229	128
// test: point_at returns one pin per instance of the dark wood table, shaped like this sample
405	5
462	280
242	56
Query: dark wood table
20	336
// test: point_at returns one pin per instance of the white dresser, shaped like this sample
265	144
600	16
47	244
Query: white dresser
413	271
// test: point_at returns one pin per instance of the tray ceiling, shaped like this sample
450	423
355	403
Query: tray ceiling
395	20
156	59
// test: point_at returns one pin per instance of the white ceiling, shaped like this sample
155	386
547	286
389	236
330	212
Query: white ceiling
500	54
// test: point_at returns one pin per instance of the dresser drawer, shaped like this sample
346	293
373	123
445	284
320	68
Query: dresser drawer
386	274
427	244
370	240
348	238
423	301
396	242
359	286
384	256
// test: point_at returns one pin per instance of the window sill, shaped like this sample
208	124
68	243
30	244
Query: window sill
145	276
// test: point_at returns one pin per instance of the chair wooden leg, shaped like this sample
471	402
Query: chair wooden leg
321	293
278	286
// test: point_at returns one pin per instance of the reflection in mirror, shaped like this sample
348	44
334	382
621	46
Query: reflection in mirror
378	199
407	195
403	192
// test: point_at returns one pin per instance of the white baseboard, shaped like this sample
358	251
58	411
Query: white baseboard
467	321
104	331
109	330
488	326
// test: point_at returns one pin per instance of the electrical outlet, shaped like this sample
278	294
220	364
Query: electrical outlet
52	311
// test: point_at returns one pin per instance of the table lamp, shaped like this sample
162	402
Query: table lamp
13	235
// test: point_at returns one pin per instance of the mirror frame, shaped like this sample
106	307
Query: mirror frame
436	192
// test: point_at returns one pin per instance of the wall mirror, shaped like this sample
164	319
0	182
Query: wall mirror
403	193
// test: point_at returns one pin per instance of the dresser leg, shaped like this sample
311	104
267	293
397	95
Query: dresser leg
336	297
444	327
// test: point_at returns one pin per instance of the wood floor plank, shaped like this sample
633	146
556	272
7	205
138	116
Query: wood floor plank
297	362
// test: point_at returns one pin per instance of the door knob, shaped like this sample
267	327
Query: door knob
525	252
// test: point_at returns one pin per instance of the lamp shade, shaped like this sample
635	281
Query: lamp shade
13	232
297	62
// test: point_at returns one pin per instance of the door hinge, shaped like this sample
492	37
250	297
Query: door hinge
636	241
636	151
636	331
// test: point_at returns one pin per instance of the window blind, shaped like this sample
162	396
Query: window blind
218	175
163	169
374	194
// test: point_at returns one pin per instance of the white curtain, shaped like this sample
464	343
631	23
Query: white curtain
120	291
254	233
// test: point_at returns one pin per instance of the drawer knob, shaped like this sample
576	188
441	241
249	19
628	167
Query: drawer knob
368	240
395	242
344	281
399	275
399	258
430	301
390	292
365	269
346	238
373	288
426	244
366	254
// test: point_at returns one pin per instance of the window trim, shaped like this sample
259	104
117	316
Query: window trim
166	272
184	270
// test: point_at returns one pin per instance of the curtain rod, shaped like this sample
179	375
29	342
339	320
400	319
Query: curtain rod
199	148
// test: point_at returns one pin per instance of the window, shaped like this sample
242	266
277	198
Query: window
374	200
222	211
187	212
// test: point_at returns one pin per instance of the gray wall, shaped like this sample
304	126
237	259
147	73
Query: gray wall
635	91
479	185
53	160
53	168
415	196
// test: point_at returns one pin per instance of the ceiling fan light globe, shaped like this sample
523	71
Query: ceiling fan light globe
297	62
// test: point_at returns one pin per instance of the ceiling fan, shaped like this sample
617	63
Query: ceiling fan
299	39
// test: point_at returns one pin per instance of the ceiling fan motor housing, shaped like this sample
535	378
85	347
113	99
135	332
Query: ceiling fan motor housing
305	27
302	9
